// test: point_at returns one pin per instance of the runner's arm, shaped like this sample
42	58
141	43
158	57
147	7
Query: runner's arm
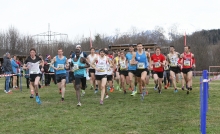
93	64
83	60
52	63
67	64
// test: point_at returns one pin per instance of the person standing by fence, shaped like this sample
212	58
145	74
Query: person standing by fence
7	70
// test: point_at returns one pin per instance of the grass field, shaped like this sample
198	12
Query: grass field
165	113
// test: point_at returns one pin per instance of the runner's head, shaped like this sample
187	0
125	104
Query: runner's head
78	47
157	50
139	46
118	53
32	52
77	52
122	54
186	49
131	48
102	52
172	49
92	50
60	51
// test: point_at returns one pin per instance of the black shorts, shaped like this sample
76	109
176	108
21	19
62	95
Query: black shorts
125	73
132	71
139	72
60	77
176	70
91	71
159	74
186	70
99	77
33	76
79	80
109	77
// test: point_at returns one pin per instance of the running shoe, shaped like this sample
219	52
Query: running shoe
165	87
159	91
79	104
176	90
32	96
38	100
142	95
106	96
101	102
96	91
156	87
111	89
133	93
108	88
117	88
187	92
183	88
83	93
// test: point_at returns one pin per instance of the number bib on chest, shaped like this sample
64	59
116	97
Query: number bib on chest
34	72
141	65
157	65
172	64
122	66
60	66
186	63
101	68
75	67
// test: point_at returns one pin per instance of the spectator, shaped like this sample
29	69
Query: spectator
8	70
47	70
14	71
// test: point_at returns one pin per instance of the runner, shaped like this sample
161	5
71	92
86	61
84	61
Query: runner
59	63
82	54
158	62
100	65
123	70
187	59
131	70
117	76
79	65
166	74
142	59
110	76
32	64
173	59
90	59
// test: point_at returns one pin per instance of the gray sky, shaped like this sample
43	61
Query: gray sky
78	17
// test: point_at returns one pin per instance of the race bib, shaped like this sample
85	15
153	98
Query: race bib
157	65
34	72
122	66
141	65
60	66
186	63
101	68
173	64
75	67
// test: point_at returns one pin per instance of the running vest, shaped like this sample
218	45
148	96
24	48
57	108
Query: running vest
101	64
91	59
173	60
142	60
129	57
187	60
122	64
77	71
60	64
33	65
51	69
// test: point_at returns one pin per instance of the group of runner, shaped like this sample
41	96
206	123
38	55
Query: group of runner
129	68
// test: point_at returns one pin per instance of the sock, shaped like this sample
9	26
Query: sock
36	94
96	86
62	99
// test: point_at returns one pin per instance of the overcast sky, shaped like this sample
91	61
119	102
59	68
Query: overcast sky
78	17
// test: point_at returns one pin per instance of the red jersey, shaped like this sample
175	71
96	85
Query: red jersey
157	67
187	60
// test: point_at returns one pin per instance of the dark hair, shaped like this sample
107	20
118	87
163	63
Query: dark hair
139	43
106	52
92	48
102	50
131	45
59	49
187	46
33	49
172	46
157	48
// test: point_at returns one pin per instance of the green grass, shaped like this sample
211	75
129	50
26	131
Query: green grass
167	113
